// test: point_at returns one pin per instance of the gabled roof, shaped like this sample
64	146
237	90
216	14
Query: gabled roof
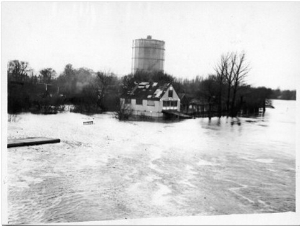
186	96
147	90
181	95
198	102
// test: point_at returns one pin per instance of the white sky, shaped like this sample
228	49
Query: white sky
98	35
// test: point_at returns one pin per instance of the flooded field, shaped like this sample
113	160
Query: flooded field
123	170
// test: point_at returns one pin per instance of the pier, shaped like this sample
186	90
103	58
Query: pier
30	141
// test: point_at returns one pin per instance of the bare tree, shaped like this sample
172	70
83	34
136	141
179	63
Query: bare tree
240	72
221	78
124	111
229	77
231	71
17	70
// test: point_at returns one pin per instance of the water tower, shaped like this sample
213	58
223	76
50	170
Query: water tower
148	55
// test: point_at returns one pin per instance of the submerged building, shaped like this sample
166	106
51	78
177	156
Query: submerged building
151	99
148	55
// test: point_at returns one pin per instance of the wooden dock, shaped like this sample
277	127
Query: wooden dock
30	141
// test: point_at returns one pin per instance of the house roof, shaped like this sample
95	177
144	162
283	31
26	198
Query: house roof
147	90
198	102
181	95
185	96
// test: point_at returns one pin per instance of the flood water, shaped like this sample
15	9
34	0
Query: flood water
116	170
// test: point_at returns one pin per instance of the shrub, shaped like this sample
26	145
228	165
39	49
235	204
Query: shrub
124	112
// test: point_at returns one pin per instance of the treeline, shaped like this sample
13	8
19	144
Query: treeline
83	89
29	92
224	91
46	92
283	94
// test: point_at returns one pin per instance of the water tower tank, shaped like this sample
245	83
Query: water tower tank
148	55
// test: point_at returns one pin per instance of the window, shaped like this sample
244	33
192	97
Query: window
150	103
170	93
170	103
139	101
127	101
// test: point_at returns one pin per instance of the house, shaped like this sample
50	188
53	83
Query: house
185	100
198	106
202	108
151	99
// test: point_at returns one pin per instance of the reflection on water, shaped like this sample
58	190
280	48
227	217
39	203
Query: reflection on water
116	170
275	130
